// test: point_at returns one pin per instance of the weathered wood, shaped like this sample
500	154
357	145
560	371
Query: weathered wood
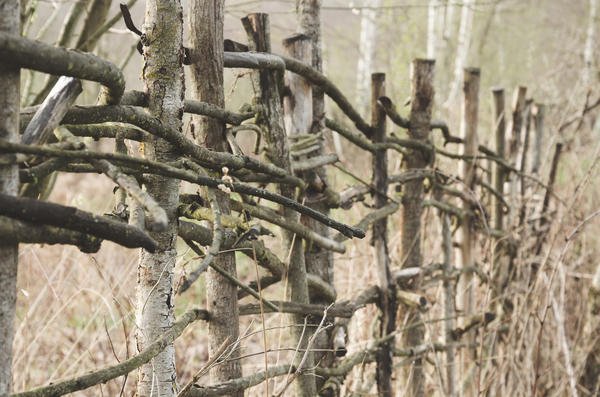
544	216
499	126
71	218
164	82
422	95
206	39
13	231
467	235
379	180
139	98
49	115
45	58
539	113
298	120
9	184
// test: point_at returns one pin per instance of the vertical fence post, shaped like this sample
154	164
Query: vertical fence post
523	165
468	132
449	305
539	112
422	93
514	142
546	203
298	120
379	241
267	99
500	173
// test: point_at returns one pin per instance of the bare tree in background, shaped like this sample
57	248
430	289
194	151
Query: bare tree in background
163	78
590	44
9	184
462	50
366	53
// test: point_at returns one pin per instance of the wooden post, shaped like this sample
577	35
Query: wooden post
546	203
270	118
318	261
468	131
539	112
387	284
523	164
449	305
9	184
500	173
422	93
298	120
206	39
514	143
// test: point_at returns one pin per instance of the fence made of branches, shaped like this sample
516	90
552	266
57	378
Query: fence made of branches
497	196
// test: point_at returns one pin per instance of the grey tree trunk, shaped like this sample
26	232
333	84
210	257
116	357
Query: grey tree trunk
163	78
422	93
9	184
318	261
298	118
379	242
465	298
206	39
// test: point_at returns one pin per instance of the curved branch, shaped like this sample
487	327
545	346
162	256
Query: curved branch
41	212
139	118
139	98
13	231
168	170
59	61
251	60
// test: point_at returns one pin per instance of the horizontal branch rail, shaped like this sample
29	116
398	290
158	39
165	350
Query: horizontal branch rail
139	98
60	61
45	213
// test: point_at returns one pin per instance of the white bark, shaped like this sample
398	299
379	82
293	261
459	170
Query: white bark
366	53
433	12
462	49
590	44
9	183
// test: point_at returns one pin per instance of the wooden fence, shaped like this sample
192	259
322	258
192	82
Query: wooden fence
490	199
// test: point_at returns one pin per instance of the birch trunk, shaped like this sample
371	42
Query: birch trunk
432	28
163	78
206	33
9	184
462	50
590	44
366	53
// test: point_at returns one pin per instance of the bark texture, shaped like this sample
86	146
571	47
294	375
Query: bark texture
9	184
422	93
163	78
298	119
388	303
206	39
318	261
